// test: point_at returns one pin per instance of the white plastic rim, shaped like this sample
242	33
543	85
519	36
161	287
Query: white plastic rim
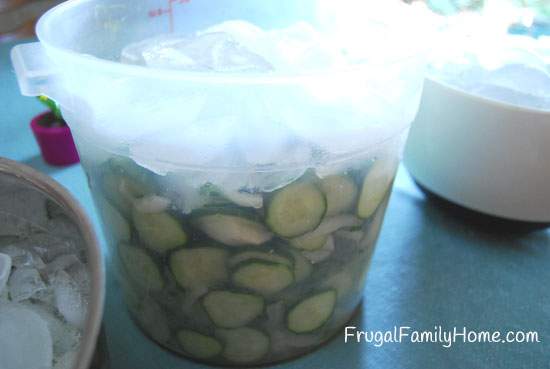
30	177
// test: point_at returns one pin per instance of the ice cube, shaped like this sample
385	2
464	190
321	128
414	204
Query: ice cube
23	257
65	337
512	96
63	227
205	52
509	69
62	262
5	270
12	225
301	47
516	84
25	341
69	299
79	273
25	283
49	246
521	78
245	33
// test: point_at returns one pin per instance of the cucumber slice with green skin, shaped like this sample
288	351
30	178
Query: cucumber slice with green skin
376	185
116	191
159	232
258	255
199	268
322	254
122	191
312	313
243	345
262	277
114	221
302	266
229	309
244	199
350	236
141	268
309	242
341	194
373	229
296	209
198	346
152	204
327	227
136	173
153	320
233	230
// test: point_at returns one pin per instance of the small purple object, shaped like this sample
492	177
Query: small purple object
56	143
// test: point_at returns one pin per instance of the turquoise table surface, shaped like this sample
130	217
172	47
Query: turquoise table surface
435	265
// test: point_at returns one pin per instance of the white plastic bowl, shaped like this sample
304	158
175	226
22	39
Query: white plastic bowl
484	155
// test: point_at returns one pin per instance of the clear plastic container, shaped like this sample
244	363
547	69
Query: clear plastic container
242	210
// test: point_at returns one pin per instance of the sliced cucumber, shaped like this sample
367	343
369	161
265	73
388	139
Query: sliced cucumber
233	230
243	345
258	255
152	204
332	224
198	346
309	242
296	209
153	320
350	236
302	266
229	309
312	313
342	282
244	199
115	190
376	185
374	228
341	193
114	221
262	277
126	166
138	175
199	268
322	254
122	191
160	232
141	268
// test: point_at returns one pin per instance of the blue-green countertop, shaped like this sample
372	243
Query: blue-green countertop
435	265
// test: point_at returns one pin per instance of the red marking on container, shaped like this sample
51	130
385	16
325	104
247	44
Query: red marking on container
169	10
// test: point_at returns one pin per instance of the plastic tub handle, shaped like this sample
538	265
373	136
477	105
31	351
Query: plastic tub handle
34	69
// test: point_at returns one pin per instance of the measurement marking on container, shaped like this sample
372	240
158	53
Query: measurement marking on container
168	10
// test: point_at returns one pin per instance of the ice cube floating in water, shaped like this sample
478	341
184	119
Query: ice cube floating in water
44	281
258	126
238	46
506	68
